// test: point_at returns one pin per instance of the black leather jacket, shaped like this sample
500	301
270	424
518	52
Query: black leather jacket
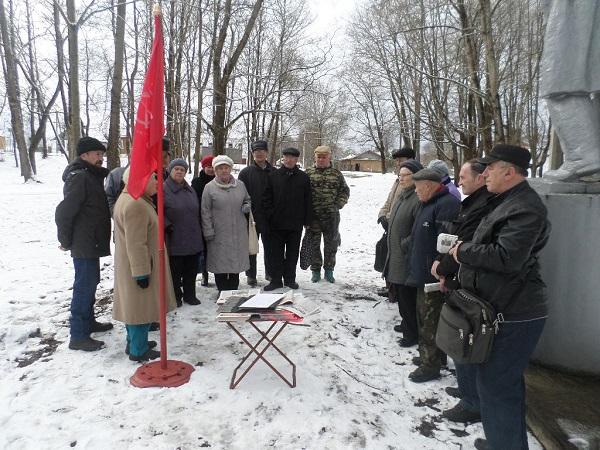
500	263
472	209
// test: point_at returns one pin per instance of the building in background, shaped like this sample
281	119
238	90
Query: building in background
368	161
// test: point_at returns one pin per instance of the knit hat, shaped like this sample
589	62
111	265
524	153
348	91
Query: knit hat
89	144
439	166
178	162
291	151
207	161
323	150
413	165
427	175
404	152
222	159
259	145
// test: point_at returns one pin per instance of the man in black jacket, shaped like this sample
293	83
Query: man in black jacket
254	178
438	209
287	207
83	224
500	264
478	204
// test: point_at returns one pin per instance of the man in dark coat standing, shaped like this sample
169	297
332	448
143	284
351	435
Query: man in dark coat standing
255	178
478	204
287	207
438	208
83	223
500	265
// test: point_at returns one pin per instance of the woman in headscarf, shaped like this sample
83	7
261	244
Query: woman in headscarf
225	204
136	296
183	232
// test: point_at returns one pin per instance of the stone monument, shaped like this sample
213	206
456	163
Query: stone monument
570	84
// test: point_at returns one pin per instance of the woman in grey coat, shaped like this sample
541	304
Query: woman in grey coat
225	203
396	268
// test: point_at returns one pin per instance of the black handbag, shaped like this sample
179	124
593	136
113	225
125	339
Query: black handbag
305	252
467	327
381	250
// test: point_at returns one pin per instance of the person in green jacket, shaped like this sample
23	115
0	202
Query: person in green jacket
329	194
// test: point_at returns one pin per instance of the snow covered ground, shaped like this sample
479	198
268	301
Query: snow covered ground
352	387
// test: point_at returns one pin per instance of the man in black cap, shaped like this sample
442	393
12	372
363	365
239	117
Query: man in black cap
287	208
478	204
255	178
83	224
438	208
500	265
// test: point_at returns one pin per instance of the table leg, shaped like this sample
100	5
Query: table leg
260	354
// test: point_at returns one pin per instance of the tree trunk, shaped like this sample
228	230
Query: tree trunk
74	125
114	131
14	96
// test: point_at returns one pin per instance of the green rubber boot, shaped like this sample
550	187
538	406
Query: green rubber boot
329	275
316	276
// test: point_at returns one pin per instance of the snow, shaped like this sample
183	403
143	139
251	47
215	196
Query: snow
352	387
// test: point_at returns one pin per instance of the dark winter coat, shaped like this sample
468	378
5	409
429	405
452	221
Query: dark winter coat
433	218
182	219
287	203
402	218
199	183
114	186
472	209
255	178
83	218
501	264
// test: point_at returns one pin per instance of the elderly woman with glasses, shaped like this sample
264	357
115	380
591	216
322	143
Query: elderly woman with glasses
396	271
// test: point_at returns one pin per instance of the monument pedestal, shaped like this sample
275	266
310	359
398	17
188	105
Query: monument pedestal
570	267
563	395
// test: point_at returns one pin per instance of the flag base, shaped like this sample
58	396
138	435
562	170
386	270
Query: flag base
153	375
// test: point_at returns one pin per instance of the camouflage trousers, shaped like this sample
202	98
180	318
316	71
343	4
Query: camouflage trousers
329	228
429	306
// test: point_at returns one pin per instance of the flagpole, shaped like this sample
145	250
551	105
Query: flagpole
156	12
166	372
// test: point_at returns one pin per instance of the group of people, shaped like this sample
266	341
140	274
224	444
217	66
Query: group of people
207	228
501	226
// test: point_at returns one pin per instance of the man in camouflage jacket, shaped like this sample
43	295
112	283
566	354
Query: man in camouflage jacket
329	194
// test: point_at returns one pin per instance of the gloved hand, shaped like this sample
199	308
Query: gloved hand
143	281
246	208
384	222
169	228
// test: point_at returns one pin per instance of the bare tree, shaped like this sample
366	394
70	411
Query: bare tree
13	93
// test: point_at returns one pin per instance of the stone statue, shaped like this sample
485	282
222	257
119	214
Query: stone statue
570	83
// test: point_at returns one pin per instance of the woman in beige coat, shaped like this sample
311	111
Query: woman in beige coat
136	298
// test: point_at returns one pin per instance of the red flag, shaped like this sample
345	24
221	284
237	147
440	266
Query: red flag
149	126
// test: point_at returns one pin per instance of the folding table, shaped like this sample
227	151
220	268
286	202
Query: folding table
275	328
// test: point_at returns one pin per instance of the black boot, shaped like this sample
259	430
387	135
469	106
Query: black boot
151	344
150	354
204	279
100	327
272	286
461	415
86	344
193	301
